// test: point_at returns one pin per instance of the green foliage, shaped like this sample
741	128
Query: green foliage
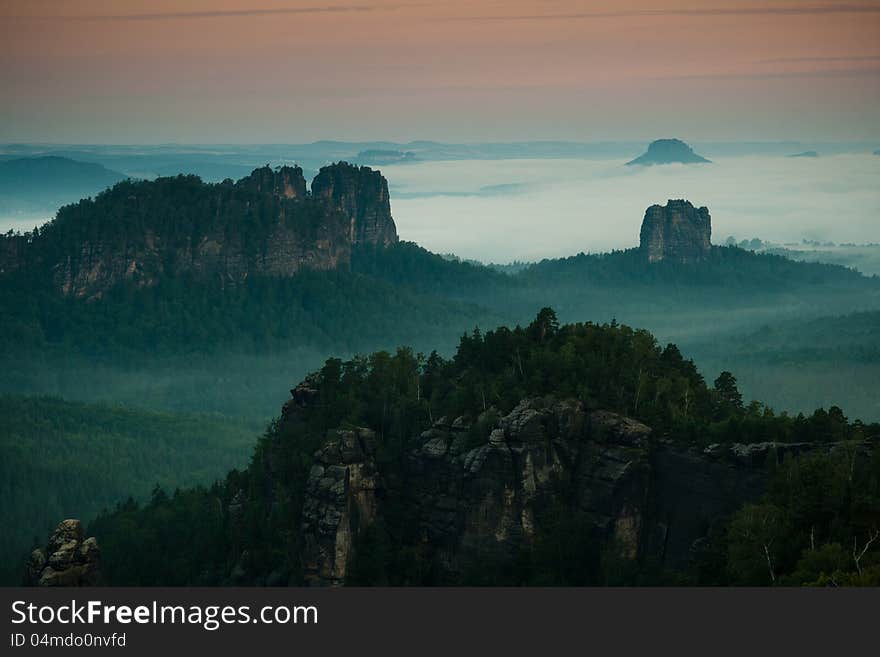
185	532
607	366
819	523
63	459
728	394
800	365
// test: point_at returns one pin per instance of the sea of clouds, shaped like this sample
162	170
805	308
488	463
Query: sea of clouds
528	209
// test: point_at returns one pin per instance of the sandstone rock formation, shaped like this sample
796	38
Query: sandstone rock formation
668	151
362	194
488	499
285	181
479	490
340	501
69	559
475	493
267	224
677	231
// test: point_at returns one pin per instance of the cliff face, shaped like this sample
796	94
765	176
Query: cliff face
362	194
677	231
474	495
340	503
265	224
481	499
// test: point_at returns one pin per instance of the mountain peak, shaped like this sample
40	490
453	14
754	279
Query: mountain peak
668	151
285	181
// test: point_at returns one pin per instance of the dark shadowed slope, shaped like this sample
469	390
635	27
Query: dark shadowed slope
43	184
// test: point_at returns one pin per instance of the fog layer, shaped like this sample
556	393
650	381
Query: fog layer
503	210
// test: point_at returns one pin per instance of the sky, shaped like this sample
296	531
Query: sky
275	71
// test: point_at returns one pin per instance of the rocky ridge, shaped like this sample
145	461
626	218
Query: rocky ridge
480	492
267	223
480	489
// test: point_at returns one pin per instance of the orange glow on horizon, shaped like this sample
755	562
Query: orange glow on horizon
271	70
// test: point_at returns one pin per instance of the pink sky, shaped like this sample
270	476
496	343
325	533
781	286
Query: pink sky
280	71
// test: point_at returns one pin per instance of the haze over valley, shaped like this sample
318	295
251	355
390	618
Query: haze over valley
457	198
463	293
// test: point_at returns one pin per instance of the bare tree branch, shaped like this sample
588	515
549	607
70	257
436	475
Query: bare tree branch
857	556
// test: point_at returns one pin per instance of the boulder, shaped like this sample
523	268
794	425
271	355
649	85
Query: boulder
69	559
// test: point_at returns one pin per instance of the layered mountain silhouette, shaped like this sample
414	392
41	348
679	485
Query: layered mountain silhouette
42	184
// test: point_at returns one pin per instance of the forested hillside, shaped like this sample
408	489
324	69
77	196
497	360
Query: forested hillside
32	185
184	295
60	459
799	365
522	418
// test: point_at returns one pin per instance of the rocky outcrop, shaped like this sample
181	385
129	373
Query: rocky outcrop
678	232
362	194
668	151
482	490
286	181
491	499
340	501
69	559
266	224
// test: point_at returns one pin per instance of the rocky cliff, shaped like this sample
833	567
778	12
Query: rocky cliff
362	194
267	223
69	559
677	231
551	483
482	490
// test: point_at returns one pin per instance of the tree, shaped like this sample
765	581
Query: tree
546	325
753	536
729	394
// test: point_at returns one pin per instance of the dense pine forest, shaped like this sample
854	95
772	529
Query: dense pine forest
813	524
182	344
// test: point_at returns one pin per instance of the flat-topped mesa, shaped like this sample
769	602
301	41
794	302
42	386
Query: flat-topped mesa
668	151
362	194
677	231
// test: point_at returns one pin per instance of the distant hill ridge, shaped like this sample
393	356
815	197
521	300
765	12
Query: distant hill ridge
39	184
22	171
668	151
